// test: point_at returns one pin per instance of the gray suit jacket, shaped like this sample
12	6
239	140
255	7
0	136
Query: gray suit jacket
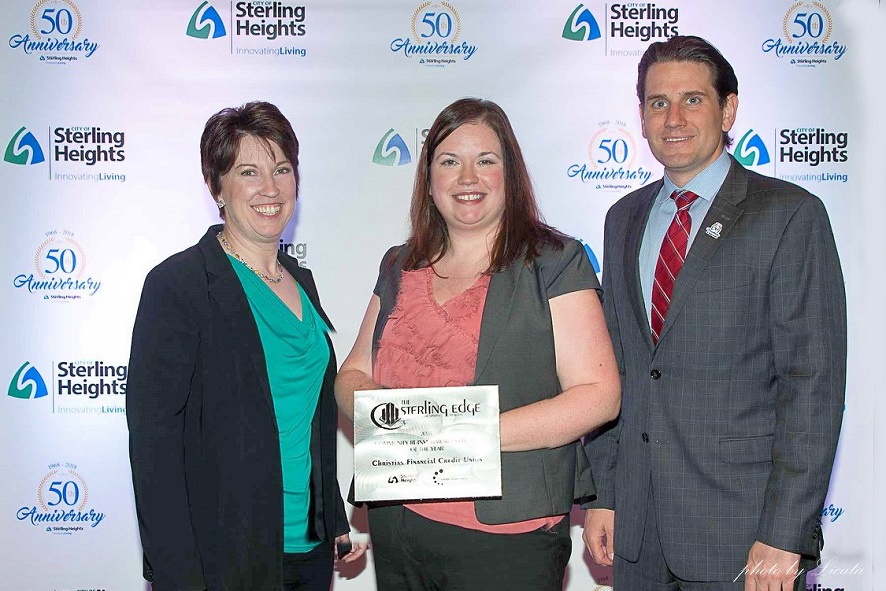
733	418
516	353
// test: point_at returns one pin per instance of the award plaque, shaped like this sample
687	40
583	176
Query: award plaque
427	443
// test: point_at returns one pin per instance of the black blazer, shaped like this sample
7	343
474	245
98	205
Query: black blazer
203	438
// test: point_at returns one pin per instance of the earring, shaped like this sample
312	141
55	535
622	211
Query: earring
220	203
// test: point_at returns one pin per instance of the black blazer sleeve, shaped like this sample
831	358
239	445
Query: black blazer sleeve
162	362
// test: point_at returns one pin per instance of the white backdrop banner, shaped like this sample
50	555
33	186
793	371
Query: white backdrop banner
103	107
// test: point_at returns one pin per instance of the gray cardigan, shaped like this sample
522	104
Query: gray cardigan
516	352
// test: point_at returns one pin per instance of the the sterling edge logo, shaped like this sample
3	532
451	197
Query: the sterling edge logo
391	150
611	160
800	154
78	153
79	387
56	33
259	28
386	416
60	270
27	383
389	416
630	26
436	30
807	37
23	149
62	506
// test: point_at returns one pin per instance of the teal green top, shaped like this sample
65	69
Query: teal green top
296	354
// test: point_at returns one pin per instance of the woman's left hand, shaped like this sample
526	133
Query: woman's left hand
357	548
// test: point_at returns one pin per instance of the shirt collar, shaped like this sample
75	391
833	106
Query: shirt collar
705	184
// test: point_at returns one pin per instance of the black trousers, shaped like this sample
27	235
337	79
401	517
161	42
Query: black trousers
311	571
413	553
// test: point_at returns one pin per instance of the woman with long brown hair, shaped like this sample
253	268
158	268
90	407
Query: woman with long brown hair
483	292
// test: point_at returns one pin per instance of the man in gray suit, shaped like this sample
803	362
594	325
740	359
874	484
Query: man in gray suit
725	302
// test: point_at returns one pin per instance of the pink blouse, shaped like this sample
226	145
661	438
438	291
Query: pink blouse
426	344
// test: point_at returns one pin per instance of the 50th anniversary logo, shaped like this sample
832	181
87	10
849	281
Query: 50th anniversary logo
59	270
62	506
436	30
807	36
55	33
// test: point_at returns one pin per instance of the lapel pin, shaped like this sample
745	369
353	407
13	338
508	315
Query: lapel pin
714	230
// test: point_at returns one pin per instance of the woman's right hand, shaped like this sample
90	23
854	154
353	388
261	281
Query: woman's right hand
356	549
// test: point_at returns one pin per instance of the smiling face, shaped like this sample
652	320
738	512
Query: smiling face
259	193
467	179
682	118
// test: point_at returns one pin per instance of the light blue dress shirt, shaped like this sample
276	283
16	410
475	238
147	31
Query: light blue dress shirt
706	185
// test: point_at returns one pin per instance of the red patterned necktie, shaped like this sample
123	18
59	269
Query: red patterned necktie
670	260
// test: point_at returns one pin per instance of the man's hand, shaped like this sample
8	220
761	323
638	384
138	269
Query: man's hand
770	569
599	528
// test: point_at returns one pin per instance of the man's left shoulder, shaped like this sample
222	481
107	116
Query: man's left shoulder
774	207
765	193
760	186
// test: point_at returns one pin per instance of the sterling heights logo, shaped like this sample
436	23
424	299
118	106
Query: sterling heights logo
798	154
629	27
88	145
813	146
581	25
258	28
269	20
643	22
750	150
391	150
23	149
812	154
27	383
76	387
76	153
206	23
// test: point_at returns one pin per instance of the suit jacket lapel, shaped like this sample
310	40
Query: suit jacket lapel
636	226
724	210
496	311
227	292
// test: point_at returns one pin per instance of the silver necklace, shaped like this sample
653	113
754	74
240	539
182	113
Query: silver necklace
261	275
